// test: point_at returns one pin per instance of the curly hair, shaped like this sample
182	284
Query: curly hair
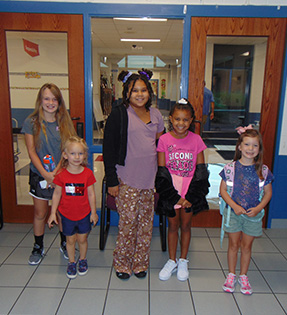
183	104
129	80
62	116
252	133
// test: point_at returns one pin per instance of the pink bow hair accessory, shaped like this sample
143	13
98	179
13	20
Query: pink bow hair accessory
241	129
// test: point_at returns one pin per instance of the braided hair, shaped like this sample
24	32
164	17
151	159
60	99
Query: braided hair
129	80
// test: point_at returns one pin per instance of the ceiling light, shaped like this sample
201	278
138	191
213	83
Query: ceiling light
140	40
144	19
245	54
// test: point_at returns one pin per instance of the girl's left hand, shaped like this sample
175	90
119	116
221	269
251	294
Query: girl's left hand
186	204
251	212
94	219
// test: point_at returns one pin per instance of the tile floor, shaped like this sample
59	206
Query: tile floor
45	289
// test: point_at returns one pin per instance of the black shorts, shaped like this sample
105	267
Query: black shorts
35	188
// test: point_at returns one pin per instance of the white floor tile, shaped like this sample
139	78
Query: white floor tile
82	301
15	275
258	304
173	284
119	302
270	261
8	297
35	301
160	303
277	281
214	303
50	277
203	260
206	280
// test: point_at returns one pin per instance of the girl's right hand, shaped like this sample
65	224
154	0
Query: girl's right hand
239	210
49	177
52	218
113	191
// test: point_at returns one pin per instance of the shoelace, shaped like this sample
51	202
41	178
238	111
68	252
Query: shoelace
230	279
245	282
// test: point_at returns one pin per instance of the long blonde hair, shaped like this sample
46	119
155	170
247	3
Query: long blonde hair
74	139
62	116
252	133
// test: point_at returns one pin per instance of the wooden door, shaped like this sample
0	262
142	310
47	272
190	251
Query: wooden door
73	26
272	28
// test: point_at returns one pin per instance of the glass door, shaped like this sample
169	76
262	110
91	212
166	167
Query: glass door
35	49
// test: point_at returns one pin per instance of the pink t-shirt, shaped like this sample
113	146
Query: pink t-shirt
141	159
181	154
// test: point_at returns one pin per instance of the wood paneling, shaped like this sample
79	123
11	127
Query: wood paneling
73	25
275	30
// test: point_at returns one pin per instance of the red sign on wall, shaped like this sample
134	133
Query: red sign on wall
31	49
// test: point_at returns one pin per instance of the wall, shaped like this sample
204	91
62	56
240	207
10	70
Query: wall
50	66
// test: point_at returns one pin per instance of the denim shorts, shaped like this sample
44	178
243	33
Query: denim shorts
35	188
238	223
70	227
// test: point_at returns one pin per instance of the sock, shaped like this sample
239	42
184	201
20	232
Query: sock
63	237
39	240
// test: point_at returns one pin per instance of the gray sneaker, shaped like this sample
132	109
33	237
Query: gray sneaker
63	250
36	255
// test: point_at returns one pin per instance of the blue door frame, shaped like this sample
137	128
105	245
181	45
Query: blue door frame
185	12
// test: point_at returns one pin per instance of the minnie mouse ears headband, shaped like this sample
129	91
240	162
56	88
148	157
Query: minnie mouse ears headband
130	73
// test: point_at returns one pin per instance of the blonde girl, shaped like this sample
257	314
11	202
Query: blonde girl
45	130
75	199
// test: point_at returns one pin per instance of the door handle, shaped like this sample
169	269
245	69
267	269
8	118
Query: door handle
76	118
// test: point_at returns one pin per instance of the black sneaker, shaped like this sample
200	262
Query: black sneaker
123	275
36	255
63	250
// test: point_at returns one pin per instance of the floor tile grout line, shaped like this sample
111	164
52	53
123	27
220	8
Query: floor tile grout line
191	296
269	286
276	247
107	290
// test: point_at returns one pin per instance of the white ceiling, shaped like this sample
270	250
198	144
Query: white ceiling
107	32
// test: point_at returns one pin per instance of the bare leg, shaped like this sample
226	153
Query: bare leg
71	242
233	247
82	240
185	228
173	226
40	213
246	246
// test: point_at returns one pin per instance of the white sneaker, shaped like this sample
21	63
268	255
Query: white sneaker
182	269
167	270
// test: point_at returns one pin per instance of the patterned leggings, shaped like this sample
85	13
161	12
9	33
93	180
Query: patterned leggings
136	210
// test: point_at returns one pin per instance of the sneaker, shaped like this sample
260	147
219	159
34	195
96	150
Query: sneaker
72	270
63	250
182	269
229	284
245	285
36	255
167	270
83	267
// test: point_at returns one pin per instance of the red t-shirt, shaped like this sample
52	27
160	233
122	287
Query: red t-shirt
74	203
